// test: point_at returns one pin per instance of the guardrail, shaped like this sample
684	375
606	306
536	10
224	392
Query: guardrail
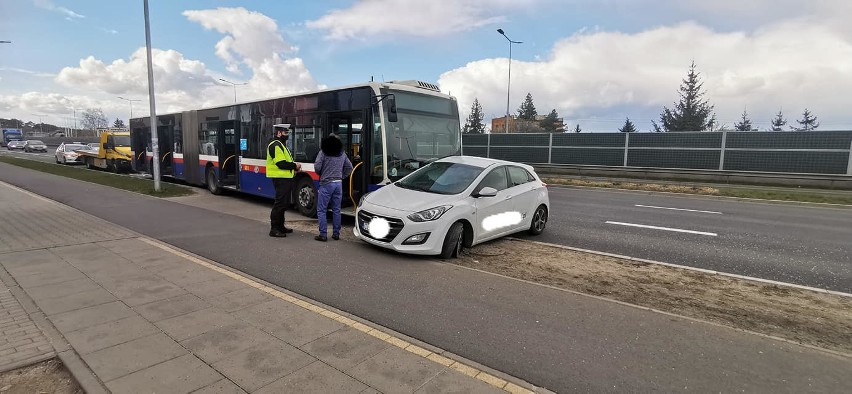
824	181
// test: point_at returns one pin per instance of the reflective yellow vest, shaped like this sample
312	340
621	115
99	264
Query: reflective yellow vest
281	154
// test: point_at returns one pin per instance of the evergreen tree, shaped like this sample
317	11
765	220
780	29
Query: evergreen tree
744	124
778	123
577	129
474	120
692	113
527	110
551	123
118	124
808	122
628	127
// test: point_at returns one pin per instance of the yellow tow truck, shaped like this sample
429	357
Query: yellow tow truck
112	153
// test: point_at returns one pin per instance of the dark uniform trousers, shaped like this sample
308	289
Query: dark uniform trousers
283	190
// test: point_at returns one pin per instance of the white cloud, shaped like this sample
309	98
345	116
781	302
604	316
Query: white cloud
794	64
250	36
368	18
252	39
48	5
171	72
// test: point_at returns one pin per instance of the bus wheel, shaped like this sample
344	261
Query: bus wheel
212	182
306	197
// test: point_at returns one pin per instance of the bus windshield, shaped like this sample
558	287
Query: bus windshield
427	129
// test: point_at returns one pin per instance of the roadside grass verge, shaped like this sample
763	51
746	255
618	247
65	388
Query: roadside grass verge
143	186
763	194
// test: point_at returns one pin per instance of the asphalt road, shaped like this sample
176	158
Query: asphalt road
806	245
555	339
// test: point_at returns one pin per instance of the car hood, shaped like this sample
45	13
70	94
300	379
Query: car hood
407	200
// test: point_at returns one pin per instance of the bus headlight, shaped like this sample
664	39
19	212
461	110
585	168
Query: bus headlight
429	214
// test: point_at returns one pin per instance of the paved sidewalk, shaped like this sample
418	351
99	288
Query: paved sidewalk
145	317
21	342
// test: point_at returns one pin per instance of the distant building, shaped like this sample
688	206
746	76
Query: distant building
498	125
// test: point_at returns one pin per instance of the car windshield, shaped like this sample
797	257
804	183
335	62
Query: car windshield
36	142
75	147
441	178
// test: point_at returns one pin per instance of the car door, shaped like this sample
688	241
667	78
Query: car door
494	215
59	152
524	194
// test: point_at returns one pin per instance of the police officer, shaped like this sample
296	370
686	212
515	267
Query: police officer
280	168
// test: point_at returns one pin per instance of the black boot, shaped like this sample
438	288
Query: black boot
286	229
277	233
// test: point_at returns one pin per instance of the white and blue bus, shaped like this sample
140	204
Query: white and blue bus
388	130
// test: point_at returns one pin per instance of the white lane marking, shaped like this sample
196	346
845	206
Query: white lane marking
679	230
677	209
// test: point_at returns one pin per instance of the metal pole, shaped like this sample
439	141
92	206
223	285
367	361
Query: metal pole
154	139
550	150
508	87
626	147
722	153
849	164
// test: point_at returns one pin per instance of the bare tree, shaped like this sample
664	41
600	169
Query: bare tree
94	118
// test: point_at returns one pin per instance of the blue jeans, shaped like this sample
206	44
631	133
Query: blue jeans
333	193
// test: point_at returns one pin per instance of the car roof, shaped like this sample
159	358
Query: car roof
483	162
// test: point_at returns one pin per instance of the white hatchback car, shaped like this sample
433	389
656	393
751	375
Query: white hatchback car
453	203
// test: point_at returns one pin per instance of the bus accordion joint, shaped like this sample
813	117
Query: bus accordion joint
226	160
354	203
164	157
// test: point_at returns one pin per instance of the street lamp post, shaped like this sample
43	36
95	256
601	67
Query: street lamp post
235	87
509	85
155	142
131	108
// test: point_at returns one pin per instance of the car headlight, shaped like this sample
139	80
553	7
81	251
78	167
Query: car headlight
429	214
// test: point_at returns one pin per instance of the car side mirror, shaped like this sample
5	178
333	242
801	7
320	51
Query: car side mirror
487	192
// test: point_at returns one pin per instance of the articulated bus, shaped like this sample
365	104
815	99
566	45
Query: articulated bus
388	130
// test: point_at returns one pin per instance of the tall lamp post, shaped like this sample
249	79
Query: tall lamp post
131	108
509	85
235	87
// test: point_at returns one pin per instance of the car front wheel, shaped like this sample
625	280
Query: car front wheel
453	242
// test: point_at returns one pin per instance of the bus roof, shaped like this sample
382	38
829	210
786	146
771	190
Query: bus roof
413	86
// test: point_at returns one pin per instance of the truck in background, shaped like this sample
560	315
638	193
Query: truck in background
11	135
112	153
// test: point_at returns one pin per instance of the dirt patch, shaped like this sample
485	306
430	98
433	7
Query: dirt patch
46	377
807	317
803	316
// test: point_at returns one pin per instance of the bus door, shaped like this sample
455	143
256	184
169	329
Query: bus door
228	153
350	127
164	144
140	139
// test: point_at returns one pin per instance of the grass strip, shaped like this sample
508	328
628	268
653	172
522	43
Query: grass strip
763	194
138	185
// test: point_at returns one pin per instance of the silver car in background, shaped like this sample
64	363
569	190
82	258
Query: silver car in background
16	144
35	146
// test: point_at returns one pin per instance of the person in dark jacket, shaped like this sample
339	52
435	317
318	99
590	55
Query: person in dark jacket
332	165
281	169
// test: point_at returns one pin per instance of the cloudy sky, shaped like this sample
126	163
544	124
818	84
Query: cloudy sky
595	61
